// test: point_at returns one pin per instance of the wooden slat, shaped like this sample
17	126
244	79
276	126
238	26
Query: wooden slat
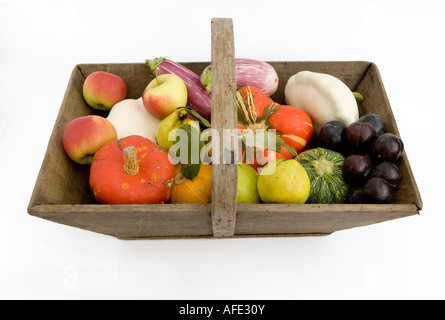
132	221
224	116
316	218
60	180
376	101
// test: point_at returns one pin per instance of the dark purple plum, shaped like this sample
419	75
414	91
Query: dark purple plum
387	147
332	136
355	195
388	171
375	121
377	190
359	136
356	169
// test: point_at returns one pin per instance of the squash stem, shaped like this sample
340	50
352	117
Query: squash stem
131	166
323	168
179	178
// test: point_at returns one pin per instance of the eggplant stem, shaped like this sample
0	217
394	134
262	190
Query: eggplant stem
206	80
154	64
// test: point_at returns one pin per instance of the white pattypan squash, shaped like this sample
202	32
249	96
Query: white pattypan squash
129	117
323	97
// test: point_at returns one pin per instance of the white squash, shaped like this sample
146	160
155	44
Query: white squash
323	97
129	117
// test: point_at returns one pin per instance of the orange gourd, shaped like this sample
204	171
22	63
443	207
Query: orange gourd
196	190
133	170
257	111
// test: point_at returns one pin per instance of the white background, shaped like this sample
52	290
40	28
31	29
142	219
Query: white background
41	42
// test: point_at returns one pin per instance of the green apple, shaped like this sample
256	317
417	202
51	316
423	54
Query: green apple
164	94
247	184
284	181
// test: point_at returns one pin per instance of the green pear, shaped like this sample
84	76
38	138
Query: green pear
284	181
247	184
170	124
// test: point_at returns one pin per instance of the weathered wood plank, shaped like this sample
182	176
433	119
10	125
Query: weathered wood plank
376	101
310	219
132	221
224	117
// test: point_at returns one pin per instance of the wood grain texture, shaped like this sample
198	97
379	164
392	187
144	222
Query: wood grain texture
376	101
59	180
224	117
314	218
132	221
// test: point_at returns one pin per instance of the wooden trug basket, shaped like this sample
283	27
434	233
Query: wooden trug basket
62	194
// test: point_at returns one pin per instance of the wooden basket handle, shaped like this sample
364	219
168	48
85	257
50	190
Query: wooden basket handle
224	116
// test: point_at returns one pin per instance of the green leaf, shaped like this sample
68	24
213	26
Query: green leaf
267	140
191	162
197	116
291	150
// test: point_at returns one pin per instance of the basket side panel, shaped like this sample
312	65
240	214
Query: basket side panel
314	219
60	180
376	101
132	221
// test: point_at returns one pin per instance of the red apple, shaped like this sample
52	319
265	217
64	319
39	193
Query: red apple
84	136
164	94
102	90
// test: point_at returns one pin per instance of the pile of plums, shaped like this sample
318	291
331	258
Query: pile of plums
371	156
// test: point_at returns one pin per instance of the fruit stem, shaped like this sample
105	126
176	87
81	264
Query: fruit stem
131	166
182	113
154	64
323	168
358	96
179	178
156	77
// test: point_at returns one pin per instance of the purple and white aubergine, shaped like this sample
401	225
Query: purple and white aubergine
198	99
248	72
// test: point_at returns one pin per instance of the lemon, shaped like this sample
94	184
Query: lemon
284	181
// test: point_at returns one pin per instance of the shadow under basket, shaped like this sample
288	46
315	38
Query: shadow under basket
62	194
